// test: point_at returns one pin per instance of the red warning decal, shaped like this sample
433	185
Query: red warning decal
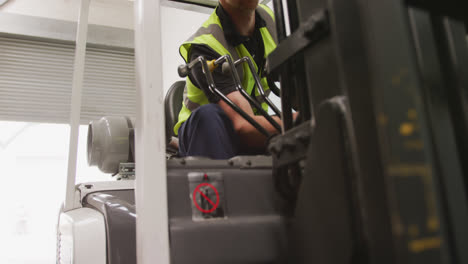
203	192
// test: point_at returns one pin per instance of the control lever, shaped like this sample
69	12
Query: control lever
257	80
207	68
229	66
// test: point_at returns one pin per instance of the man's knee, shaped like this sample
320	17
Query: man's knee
211	113
208	110
208	132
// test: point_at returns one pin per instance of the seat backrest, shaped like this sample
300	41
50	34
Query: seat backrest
172	106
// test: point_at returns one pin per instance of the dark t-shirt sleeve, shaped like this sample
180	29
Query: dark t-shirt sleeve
224	83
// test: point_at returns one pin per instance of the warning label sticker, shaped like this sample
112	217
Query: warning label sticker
207	196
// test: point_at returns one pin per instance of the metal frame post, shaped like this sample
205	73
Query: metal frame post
75	110
152	228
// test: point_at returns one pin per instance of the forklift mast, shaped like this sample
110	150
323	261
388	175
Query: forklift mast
375	170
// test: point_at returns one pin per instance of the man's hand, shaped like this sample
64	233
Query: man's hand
295	115
249	134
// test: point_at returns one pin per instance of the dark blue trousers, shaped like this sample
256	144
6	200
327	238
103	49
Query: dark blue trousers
209	133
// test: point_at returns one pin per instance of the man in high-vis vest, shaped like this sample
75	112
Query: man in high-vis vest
207	126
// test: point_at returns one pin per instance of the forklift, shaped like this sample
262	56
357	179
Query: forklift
374	169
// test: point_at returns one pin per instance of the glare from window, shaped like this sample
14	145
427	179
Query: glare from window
33	159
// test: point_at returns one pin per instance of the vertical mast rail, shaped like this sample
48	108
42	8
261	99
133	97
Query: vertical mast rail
77	87
152	228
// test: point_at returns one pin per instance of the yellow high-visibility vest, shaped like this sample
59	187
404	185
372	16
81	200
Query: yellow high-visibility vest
211	34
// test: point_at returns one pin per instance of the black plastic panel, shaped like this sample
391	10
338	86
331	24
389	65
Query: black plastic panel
251	231
118	208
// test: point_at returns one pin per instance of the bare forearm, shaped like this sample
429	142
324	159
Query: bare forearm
254	138
249	135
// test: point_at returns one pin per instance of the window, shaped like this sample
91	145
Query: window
34	168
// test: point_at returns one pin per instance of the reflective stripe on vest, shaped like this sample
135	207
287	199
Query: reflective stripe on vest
211	34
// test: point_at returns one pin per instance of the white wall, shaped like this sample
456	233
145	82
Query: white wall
113	13
177	26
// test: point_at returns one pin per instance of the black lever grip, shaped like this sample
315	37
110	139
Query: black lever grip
226	68
183	70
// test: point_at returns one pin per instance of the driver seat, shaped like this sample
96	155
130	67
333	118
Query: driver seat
172	105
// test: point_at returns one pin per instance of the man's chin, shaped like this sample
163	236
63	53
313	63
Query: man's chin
248	8
252	5
246	5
